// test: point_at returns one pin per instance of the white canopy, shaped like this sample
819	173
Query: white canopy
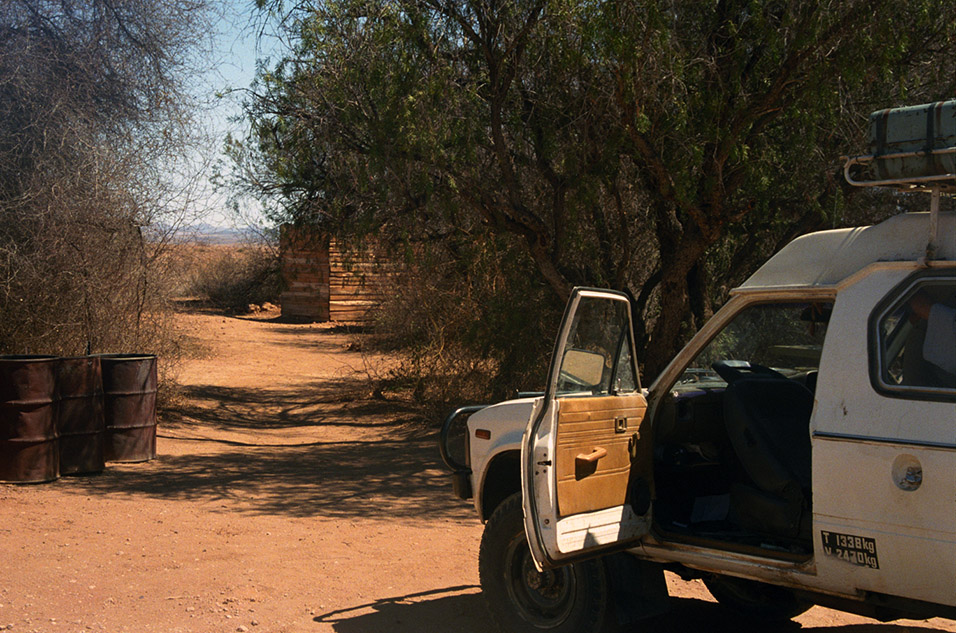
826	258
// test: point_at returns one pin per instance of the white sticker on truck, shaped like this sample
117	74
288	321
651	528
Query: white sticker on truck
857	550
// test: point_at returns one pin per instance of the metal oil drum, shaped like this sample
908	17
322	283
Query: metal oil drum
80	423
129	398
28	441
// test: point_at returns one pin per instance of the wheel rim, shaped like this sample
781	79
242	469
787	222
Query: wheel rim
543	599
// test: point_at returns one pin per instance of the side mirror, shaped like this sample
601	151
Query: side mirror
583	368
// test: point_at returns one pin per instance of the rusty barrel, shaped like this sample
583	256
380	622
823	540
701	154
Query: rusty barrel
129	398
28	442
79	422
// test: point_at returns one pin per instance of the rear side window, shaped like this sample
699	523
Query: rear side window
913	339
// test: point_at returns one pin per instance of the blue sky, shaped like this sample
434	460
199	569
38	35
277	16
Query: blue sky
235	47
235	50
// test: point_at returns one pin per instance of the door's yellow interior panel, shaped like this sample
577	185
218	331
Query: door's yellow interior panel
589	479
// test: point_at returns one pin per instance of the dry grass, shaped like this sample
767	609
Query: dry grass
229	277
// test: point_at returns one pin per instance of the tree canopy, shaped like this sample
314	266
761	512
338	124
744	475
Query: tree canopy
663	147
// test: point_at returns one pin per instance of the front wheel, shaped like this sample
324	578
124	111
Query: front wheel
570	599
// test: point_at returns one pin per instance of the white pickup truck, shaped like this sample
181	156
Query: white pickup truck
800	450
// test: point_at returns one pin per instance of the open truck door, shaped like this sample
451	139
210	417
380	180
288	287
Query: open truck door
586	465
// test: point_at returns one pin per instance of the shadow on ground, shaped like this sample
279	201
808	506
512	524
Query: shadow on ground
387	480
342	402
438	610
462	610
278	452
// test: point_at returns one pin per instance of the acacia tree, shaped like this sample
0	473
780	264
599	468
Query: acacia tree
92	106
661	146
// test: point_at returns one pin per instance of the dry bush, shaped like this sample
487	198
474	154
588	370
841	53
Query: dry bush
233	277
93	115
79	281
473	326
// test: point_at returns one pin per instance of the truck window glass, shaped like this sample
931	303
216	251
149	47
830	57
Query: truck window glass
786	337
916	339
596	358
624	381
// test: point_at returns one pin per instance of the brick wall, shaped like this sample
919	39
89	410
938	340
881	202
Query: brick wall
305	273
324	282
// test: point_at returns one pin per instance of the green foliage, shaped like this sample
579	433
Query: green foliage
663	147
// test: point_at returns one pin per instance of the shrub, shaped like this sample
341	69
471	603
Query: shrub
94	117
232	278
467	325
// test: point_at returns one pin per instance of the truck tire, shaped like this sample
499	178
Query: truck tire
755	600
570	599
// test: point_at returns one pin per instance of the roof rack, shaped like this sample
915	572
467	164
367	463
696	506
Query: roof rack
943	181
911	149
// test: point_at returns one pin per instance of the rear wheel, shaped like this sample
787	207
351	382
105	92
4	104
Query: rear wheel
755	600
521	599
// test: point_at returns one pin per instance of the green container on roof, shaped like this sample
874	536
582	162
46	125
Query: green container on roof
914	142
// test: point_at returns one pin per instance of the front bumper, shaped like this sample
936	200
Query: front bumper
461	472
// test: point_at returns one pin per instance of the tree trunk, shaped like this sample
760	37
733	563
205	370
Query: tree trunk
665	339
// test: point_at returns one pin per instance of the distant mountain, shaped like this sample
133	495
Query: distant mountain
209	234
204	233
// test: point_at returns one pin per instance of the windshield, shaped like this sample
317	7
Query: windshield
787	337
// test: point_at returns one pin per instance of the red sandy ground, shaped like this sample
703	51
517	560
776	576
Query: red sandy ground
283	499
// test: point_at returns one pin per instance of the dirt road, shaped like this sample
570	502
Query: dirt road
283	499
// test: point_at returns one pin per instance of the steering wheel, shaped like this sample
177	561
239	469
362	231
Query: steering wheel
731	370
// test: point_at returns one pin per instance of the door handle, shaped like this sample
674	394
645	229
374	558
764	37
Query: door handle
592	457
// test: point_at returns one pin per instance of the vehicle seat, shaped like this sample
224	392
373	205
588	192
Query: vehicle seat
767	420
918	371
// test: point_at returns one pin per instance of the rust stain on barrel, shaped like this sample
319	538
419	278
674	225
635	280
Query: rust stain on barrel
129	396
80	423
28	440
